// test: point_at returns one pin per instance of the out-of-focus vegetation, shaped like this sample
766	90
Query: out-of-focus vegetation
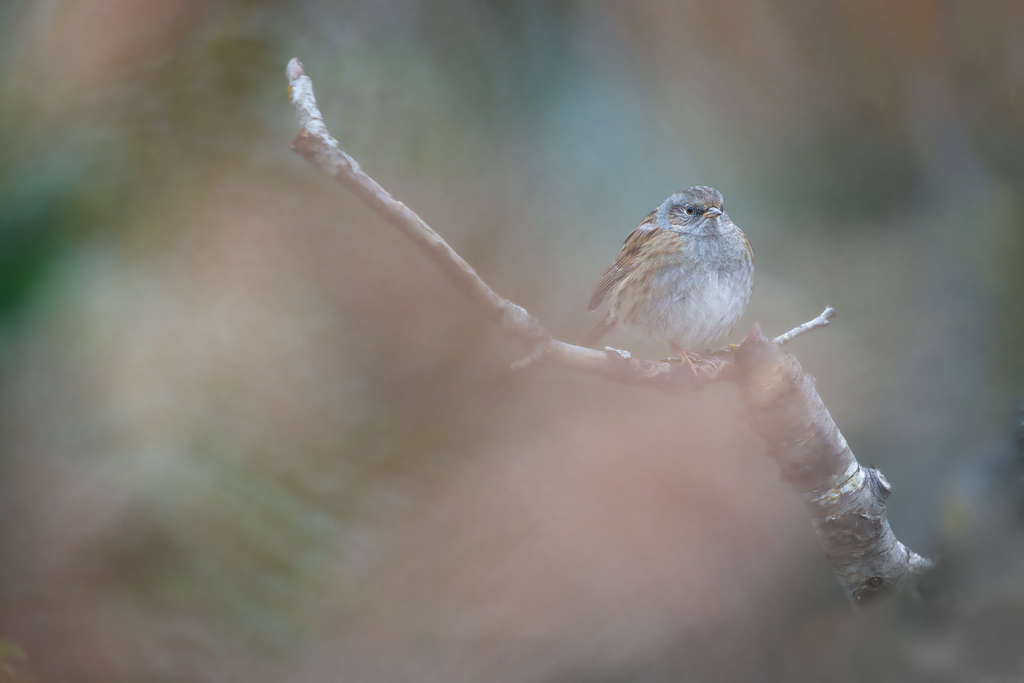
248	433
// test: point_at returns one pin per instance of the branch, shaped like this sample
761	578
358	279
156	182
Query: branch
846	501
820	321
316	145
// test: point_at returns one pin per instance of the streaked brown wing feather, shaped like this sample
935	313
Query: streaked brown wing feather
598	331
626	260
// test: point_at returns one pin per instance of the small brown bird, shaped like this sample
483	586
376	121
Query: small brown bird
684	275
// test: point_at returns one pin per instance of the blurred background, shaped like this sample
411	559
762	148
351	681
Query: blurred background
247	432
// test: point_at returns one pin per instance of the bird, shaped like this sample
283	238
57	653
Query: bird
684	275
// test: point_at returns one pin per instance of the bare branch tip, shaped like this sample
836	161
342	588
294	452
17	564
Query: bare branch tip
294	69
523	363
536	355
820	321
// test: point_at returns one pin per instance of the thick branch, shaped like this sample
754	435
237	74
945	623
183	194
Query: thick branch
846	501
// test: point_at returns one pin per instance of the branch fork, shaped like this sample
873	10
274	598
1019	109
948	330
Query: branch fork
845	500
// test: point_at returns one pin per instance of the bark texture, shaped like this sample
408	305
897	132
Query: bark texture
845	500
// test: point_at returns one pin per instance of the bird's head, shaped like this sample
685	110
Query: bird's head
694	210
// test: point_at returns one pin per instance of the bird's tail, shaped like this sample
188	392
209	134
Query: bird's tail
598	331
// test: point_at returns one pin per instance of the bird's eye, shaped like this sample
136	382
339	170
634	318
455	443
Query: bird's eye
688	209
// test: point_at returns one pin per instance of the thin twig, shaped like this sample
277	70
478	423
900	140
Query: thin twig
820	321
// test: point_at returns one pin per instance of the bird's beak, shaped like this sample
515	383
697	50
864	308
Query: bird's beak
712	212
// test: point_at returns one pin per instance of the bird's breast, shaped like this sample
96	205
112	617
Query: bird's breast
691	296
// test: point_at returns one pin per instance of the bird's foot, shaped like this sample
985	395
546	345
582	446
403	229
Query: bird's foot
685	357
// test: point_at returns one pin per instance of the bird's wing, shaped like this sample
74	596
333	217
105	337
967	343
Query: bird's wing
626	260
598	331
